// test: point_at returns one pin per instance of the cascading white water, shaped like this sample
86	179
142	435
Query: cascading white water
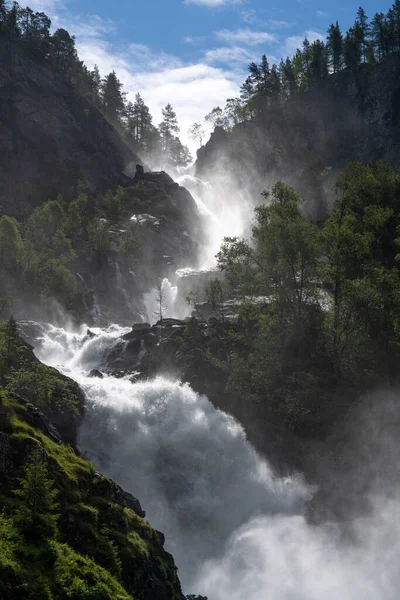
224	211
235	530
188	463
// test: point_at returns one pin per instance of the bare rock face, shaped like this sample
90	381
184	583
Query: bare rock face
305	142
51	137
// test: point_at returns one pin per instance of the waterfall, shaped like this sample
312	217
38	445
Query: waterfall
190	465
235	530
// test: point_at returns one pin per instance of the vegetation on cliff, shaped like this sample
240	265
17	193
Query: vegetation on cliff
30	31
38	257
366	42
317	310
66	532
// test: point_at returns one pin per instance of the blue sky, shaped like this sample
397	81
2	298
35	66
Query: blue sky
192	53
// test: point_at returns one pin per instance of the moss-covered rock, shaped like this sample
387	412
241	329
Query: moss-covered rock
99	548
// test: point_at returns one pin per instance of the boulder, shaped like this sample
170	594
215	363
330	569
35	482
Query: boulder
96	373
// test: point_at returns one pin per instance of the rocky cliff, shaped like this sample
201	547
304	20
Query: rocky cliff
66	531
51	136
306	141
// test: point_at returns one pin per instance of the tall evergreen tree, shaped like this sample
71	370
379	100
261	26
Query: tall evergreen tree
318	67
113	98
393	25
169	128
352	49
379	35
335	47
63	50
362	31
139	124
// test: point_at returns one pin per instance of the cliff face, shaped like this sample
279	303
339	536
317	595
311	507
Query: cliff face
93	542
51	136
353	115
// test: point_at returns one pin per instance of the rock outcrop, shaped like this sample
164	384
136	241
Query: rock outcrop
305	142
51	136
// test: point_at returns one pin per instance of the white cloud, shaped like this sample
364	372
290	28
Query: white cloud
245	36
294	42
44	5
250	16
193	90
228	55
213	3
322	13
195	39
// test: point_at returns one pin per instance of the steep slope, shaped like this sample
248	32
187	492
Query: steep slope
353	115
66	531
51	136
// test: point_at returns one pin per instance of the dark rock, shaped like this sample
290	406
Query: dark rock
169	322
140	326
139	175
53	135
138	331
115	493
161	537
39	419
353	115
96	373
90	334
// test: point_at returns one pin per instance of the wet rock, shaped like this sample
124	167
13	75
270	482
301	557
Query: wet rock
38	419
96	373
141	326
90	334
138	330
111	491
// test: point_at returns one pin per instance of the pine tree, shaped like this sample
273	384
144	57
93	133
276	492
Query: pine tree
169	128
287	79
36	514
379	35
113	99
63	50
335	47
139	124
352	49
393	25
362	31
318	66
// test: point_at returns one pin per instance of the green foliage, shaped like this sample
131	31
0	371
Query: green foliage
42	386
80	578
318	306
9	565
35	514
62	535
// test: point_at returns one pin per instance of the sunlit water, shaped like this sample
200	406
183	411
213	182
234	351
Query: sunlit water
236	531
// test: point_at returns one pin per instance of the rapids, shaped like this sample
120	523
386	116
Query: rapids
189	464
236	530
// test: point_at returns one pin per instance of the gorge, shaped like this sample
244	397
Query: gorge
199	359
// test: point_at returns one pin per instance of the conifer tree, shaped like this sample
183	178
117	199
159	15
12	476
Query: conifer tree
362	31
379	35
169	128
335	47
64	51
36	514
139	124
113	98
